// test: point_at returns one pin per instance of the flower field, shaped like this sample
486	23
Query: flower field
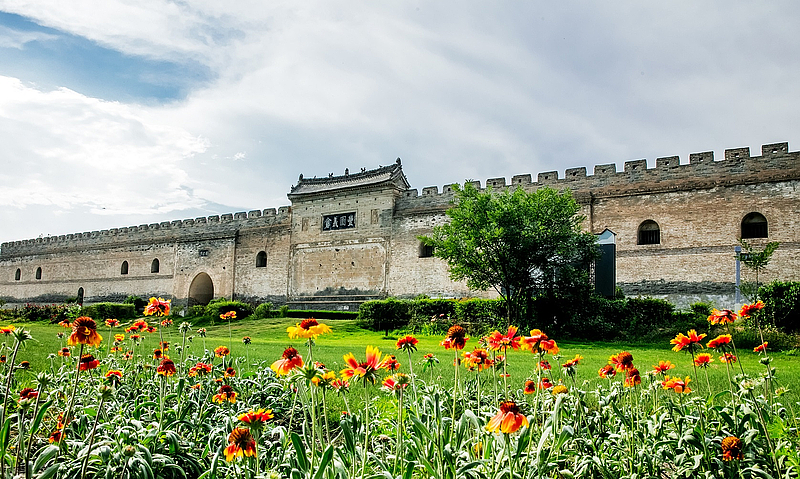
311	399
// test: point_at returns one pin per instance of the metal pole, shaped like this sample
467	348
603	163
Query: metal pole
738	251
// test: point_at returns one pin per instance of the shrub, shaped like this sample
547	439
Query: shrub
102	311
220	306
264	311
385	314
196	311
485	311
781	305
426	308
137	302
748	338
54	313
320	314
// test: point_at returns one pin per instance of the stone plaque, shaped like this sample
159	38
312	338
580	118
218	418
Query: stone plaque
340	221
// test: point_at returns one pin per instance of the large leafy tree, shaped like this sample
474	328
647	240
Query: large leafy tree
519	243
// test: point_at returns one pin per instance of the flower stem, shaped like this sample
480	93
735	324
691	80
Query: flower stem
91	438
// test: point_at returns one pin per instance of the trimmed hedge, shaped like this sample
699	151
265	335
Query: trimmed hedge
320	314
781	305
221	306
103	311
385	314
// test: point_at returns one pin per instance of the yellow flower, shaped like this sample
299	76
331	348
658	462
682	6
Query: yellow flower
307	329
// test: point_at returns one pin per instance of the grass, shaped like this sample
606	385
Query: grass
269	339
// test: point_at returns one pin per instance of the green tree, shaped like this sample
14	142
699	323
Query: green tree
519	243
756	260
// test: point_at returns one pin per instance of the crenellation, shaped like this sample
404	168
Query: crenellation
254	214
412	193
703	157
774	149
523	180
284	210
635	166
547	178
176	223
213	219
164	224
240	215
226	218
605	170
496	182
667	162
430	190
737	153
575	173
269	212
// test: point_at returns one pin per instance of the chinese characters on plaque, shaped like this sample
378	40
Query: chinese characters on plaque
339	221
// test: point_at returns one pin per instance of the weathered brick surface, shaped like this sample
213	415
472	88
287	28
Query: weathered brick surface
698	205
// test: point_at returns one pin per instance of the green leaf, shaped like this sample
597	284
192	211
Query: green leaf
300	451
326	459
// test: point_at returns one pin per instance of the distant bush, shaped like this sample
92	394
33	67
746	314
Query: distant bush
385	314
103	311
781	305
54	313
748	338
137	302
264	311
320	314
220	306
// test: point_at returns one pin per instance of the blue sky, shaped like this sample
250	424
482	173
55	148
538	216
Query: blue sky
116	113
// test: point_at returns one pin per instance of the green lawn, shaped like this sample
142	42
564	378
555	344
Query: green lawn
269	338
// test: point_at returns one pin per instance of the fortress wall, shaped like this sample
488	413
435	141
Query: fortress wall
410	274
269	283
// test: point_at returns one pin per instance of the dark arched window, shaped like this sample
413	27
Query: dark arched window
261	259
425	250
39	273
124	268
649	233
154	267
754	225
18	275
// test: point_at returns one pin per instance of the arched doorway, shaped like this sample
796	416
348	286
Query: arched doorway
202	290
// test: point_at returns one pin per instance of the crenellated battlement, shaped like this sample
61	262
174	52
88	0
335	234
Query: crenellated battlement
776	163
214	225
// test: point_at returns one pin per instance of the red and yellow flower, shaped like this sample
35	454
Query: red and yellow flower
366	370
508	419
663	367
691	341
256	419
607	372
676	384
703	360
64	353
728	358
157	307
622	361
112	323
573	362
392	364
498	341
396	382
308	329
240	444
538	342
748	309
289	360
722	316
632	377
456	338
200	369
732	449
221	351
761	347
113	376
409	343
119	337
477	360
229	315
166	368
530	387
84	331
225	393
88	362
720	342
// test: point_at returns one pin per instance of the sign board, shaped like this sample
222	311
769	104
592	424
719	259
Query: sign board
339	221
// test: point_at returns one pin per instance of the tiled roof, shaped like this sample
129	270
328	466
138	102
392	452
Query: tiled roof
392	174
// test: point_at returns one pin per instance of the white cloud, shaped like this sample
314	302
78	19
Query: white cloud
11	38
68	150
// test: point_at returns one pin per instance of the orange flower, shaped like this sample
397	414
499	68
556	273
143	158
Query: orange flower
663	367
497	341
166	322
508	420
157	307
632	377
545	383
340	385
409	343
28	393
119	337
761	347
289	360
229	315
545	365
728	358
158	354
573	362
241	444
720	341
7	329
676	384
703	360
64	352
166	368
690	342
396	382
88	362
112	323
221	351
113	376
622	361
724	316
230	373
530	387
392	364
84	331
226	393
538	342
456	338
200	369
477	359
256	419
732	449
748	309
366	370
308	329
607	372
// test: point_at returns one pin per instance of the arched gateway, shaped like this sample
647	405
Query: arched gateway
202	290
